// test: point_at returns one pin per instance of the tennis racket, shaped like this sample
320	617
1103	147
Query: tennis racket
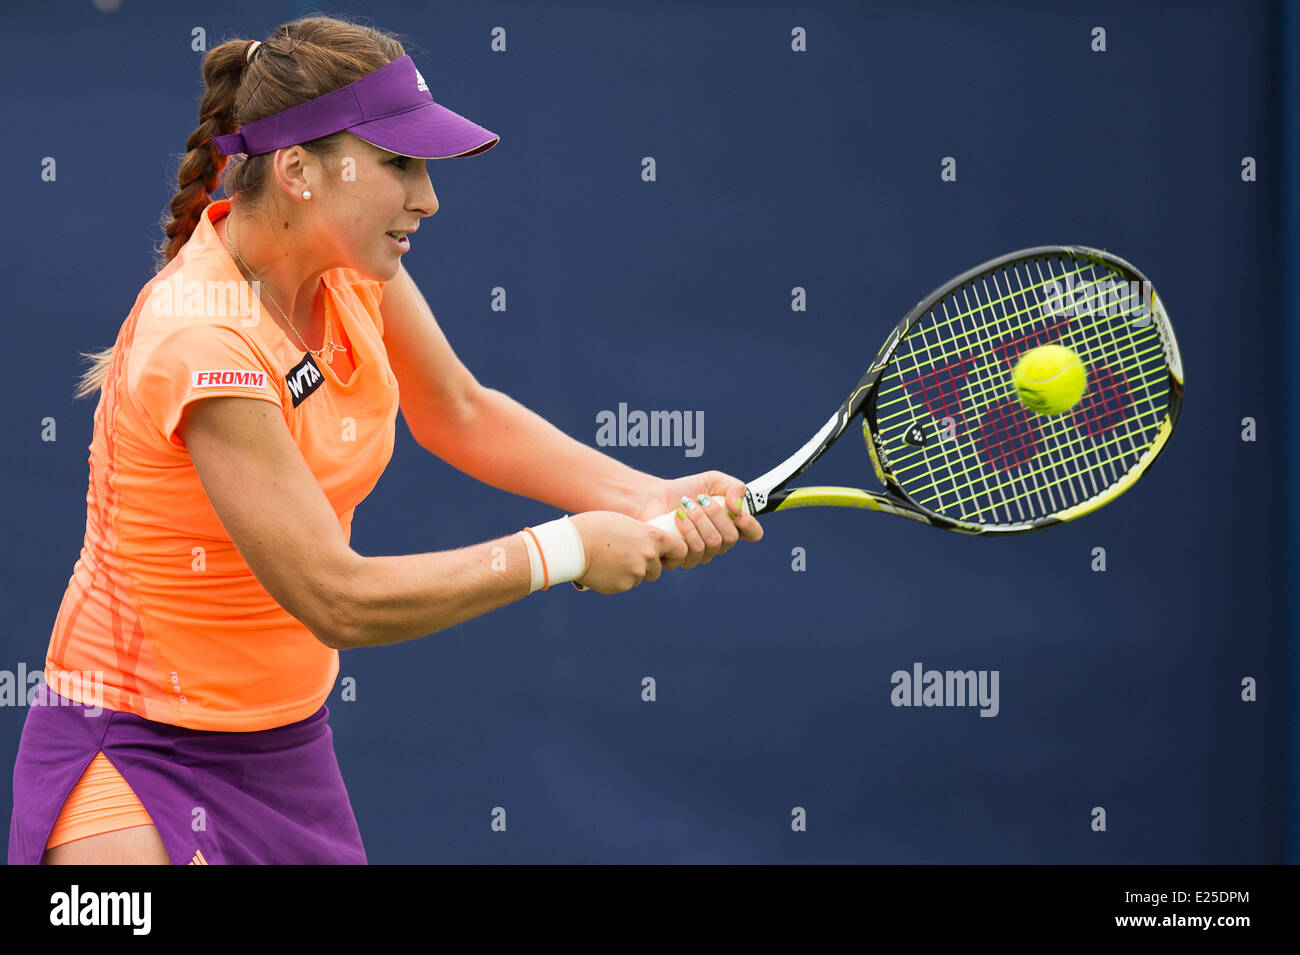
947	434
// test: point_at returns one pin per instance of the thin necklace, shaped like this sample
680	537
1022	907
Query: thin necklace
329	340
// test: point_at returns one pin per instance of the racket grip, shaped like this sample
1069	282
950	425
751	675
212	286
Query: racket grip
668	522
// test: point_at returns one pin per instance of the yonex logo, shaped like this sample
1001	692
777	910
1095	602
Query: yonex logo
420	85
218	378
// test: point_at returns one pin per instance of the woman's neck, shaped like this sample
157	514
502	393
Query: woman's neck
277	277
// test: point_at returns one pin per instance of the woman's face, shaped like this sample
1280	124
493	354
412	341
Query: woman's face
369	193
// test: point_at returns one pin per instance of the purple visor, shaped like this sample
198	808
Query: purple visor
391	108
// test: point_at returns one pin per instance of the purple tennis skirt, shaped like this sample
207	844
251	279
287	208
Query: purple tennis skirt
269	797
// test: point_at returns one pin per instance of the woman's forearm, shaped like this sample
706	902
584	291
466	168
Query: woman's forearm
504	444
391	599
501	443
508	446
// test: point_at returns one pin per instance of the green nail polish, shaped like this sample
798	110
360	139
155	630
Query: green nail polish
687	503
704	500
681	515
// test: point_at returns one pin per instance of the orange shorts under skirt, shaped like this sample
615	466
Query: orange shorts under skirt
101	802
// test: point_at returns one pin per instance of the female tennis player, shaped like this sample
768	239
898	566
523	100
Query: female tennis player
234	437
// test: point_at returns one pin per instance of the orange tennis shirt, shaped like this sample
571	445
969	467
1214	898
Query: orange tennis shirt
160	606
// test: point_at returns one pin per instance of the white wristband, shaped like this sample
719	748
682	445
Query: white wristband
534	561
555	553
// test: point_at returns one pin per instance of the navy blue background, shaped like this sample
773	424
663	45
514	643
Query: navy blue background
775	169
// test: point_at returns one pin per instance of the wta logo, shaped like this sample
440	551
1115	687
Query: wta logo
303	379
224	378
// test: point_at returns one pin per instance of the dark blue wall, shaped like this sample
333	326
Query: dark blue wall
776	169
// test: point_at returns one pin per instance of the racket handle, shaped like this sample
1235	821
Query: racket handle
668	522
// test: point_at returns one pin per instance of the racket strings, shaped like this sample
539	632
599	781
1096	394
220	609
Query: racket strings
987	458
971	356
1009	440
997	385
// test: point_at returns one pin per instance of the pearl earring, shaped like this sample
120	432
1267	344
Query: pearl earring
306	193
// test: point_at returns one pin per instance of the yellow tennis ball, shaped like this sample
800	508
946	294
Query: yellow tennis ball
1050	379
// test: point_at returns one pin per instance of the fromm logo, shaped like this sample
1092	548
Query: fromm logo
218	378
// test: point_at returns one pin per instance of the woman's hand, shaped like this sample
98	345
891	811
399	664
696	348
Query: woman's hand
622	551
709	529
